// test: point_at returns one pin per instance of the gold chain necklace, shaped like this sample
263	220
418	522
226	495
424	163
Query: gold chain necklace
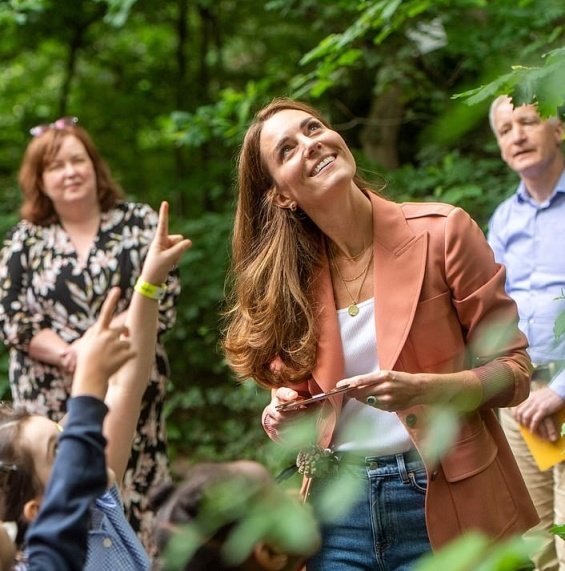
349	280
353	258
353	308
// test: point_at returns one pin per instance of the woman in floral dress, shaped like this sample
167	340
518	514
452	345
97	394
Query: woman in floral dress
77	239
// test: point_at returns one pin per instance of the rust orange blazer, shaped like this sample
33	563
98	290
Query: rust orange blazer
440	307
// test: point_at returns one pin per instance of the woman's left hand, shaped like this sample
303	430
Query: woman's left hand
397	390
393	390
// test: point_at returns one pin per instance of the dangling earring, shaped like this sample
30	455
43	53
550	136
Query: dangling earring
292	206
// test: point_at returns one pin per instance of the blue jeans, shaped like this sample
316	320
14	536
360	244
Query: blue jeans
385	528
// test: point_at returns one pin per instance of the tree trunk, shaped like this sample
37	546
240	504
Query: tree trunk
380	137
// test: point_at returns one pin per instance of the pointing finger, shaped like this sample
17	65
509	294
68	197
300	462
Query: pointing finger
109	307
163	223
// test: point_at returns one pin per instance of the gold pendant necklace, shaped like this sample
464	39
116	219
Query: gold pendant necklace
353	308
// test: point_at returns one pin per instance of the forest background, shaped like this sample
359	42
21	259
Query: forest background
167	89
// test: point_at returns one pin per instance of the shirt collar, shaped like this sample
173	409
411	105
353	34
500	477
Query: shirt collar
523	194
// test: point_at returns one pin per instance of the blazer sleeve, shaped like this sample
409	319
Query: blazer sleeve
487	314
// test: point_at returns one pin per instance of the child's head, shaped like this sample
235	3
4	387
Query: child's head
214	503
27	451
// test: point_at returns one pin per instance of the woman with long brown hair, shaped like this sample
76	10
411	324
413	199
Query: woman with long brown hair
403	306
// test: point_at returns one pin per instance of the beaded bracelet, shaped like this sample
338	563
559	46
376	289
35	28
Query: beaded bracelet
151	291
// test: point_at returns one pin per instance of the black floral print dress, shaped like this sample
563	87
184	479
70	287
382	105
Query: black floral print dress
44	286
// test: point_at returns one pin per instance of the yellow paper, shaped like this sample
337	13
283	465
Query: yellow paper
545	453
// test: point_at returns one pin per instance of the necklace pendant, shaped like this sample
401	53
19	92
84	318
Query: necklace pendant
353	310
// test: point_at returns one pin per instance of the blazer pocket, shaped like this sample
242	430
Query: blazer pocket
481	495
471	454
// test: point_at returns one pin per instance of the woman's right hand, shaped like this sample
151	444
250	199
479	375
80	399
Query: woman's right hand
277	420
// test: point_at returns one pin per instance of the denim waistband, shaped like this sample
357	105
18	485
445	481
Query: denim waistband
372	462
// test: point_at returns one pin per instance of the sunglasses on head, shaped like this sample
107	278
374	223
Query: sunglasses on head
61	123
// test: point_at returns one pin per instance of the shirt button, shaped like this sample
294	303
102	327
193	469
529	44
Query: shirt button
411	420
107	542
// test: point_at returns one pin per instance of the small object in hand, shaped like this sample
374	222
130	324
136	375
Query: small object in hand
298	404
372	400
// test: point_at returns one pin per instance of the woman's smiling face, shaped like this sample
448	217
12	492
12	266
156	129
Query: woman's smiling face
305	158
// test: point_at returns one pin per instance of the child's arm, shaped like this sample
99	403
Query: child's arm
57	539
126	388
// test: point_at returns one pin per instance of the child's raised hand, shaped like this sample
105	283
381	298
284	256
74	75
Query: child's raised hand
165	250
103	350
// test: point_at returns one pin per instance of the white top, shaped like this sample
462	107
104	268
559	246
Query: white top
362	428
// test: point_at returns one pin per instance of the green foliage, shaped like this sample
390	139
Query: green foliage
559	325
17	11
225	120
542	85
167	88
559	529
476	552
118	11
478	186
257	513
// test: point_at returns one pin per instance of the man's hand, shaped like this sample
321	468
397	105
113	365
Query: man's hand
536	413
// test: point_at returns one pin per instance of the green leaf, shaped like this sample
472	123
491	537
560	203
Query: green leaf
459	555
559	530
440	433
559	326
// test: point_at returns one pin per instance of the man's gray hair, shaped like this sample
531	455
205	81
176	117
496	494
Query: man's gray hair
507	99
494	106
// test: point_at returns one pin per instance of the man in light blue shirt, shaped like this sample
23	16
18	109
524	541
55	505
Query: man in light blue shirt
527	234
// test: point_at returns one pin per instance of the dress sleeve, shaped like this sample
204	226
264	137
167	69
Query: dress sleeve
488	315
17	324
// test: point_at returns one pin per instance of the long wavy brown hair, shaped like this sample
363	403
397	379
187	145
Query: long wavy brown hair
37	207
271	327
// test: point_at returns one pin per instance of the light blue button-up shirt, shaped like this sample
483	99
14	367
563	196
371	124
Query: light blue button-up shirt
529	239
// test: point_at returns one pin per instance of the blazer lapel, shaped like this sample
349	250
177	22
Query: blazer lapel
399	267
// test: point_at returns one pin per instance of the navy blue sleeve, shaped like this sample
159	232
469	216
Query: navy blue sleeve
57	539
